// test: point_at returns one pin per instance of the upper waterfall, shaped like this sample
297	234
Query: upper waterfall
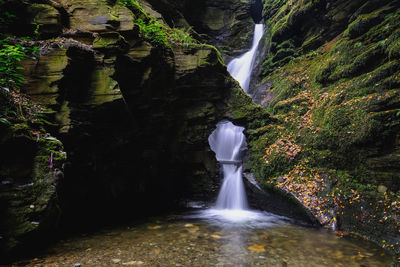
240	68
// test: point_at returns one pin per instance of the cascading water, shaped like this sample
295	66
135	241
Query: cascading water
228	142
240	68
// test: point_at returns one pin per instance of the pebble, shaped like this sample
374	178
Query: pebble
280	179
133	263
216	236
382	189
223	247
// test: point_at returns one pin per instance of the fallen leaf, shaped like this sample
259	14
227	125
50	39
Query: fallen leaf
257	248
155	227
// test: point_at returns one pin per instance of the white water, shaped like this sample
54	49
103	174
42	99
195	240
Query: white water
228	143
240	68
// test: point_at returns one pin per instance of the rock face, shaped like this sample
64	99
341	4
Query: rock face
226	24
134	117
28	194
331	82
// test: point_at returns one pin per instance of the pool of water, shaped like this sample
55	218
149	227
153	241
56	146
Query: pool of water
213	238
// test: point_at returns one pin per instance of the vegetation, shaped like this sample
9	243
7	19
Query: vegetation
153	32
133	5
14	106
337	118
161	35
10	55
158	34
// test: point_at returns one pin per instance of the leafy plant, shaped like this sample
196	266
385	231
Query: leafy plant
4	120
10	55
153	32
181	36
36	30
132	5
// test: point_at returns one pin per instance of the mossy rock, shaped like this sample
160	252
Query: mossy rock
110	41
28	202
46	20
363	24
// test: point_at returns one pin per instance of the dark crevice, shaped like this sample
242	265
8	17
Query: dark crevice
256	8
64	16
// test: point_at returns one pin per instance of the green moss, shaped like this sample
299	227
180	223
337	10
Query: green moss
339	104
134	6
244	109
362	24
311	43
109	40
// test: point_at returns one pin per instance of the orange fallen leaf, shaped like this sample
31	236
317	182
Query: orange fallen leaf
155	227
257	248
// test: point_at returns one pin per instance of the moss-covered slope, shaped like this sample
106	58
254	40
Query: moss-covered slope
334	90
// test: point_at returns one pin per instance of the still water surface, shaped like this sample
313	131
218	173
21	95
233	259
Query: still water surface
213	238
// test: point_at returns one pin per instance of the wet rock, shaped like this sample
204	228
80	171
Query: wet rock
29	204
116	260
99	16
48	18
226	24
382	189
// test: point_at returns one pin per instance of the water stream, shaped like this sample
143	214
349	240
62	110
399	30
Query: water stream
228	141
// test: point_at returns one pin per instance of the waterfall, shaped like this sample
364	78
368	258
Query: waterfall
240	68
228	143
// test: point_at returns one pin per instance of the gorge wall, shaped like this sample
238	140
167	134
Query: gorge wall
330	80
133	111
